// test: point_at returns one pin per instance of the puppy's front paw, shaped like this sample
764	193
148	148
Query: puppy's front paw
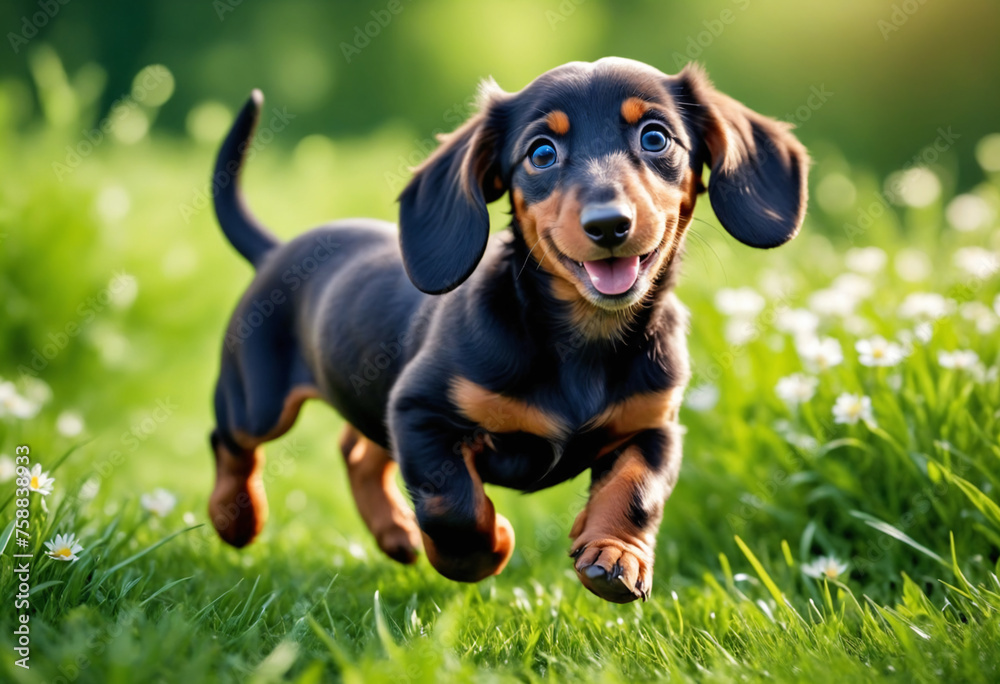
614	570
473	566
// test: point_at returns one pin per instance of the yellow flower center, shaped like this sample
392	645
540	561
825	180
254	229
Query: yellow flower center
34	482
64	552
831	572
878	352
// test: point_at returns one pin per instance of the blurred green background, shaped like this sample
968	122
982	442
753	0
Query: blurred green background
898	70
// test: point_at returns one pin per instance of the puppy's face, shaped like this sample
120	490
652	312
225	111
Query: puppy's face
602	179
603	163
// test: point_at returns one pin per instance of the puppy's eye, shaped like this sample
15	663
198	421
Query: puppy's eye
654	138
543	155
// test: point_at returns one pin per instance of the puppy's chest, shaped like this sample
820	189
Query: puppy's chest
593	415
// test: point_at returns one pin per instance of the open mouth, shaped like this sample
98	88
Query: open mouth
615	275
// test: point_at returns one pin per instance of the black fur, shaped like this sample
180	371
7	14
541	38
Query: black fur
344	309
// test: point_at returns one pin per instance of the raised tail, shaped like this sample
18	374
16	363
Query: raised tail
247	235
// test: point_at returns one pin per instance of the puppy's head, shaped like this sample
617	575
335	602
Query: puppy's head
603	162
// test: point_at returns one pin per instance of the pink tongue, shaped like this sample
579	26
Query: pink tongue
613	276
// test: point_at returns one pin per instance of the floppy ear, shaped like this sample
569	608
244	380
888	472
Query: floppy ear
443	221
759	169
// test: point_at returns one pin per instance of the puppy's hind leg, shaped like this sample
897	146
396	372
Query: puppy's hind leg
371	472
238	504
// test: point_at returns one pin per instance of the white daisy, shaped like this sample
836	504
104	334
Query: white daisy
866	260
925	305
69	424
7	468
980	314
969	212
64	548
831	302
13	404
36	390
797	322
159	501
962	359
704	397
820	354
40	482
915	187
744	302
796	389
853	285
976	261
877	351
825	567
912	265
740	331
850	408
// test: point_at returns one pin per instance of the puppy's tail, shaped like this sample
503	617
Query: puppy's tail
247	235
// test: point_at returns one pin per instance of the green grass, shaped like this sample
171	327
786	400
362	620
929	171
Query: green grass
910	505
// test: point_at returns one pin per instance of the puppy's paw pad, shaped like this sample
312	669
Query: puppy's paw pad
614	570
401	543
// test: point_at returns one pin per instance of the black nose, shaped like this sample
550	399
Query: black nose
606	224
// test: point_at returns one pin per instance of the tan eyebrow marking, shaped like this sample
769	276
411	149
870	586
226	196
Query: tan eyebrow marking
633	108
558	122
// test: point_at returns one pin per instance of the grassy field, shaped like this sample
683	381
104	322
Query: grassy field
813	536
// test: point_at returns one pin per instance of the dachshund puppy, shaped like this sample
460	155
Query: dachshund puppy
556	347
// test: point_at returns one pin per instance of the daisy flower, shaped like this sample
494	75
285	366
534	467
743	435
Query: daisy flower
160	502
744	302
877	351
968	212
820	353
797	322
976	261
69	424
704	397
831	302
926	305
7	468
850	408
64	548
796	389
962	359
853	285
912	265
980	314
865	260
13	404
825	567
40	482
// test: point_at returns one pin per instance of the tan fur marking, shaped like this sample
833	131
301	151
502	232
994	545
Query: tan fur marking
641	412
558	122
633	108
371	473
498	413
293	403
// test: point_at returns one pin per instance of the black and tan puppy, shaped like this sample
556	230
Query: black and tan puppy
553	348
